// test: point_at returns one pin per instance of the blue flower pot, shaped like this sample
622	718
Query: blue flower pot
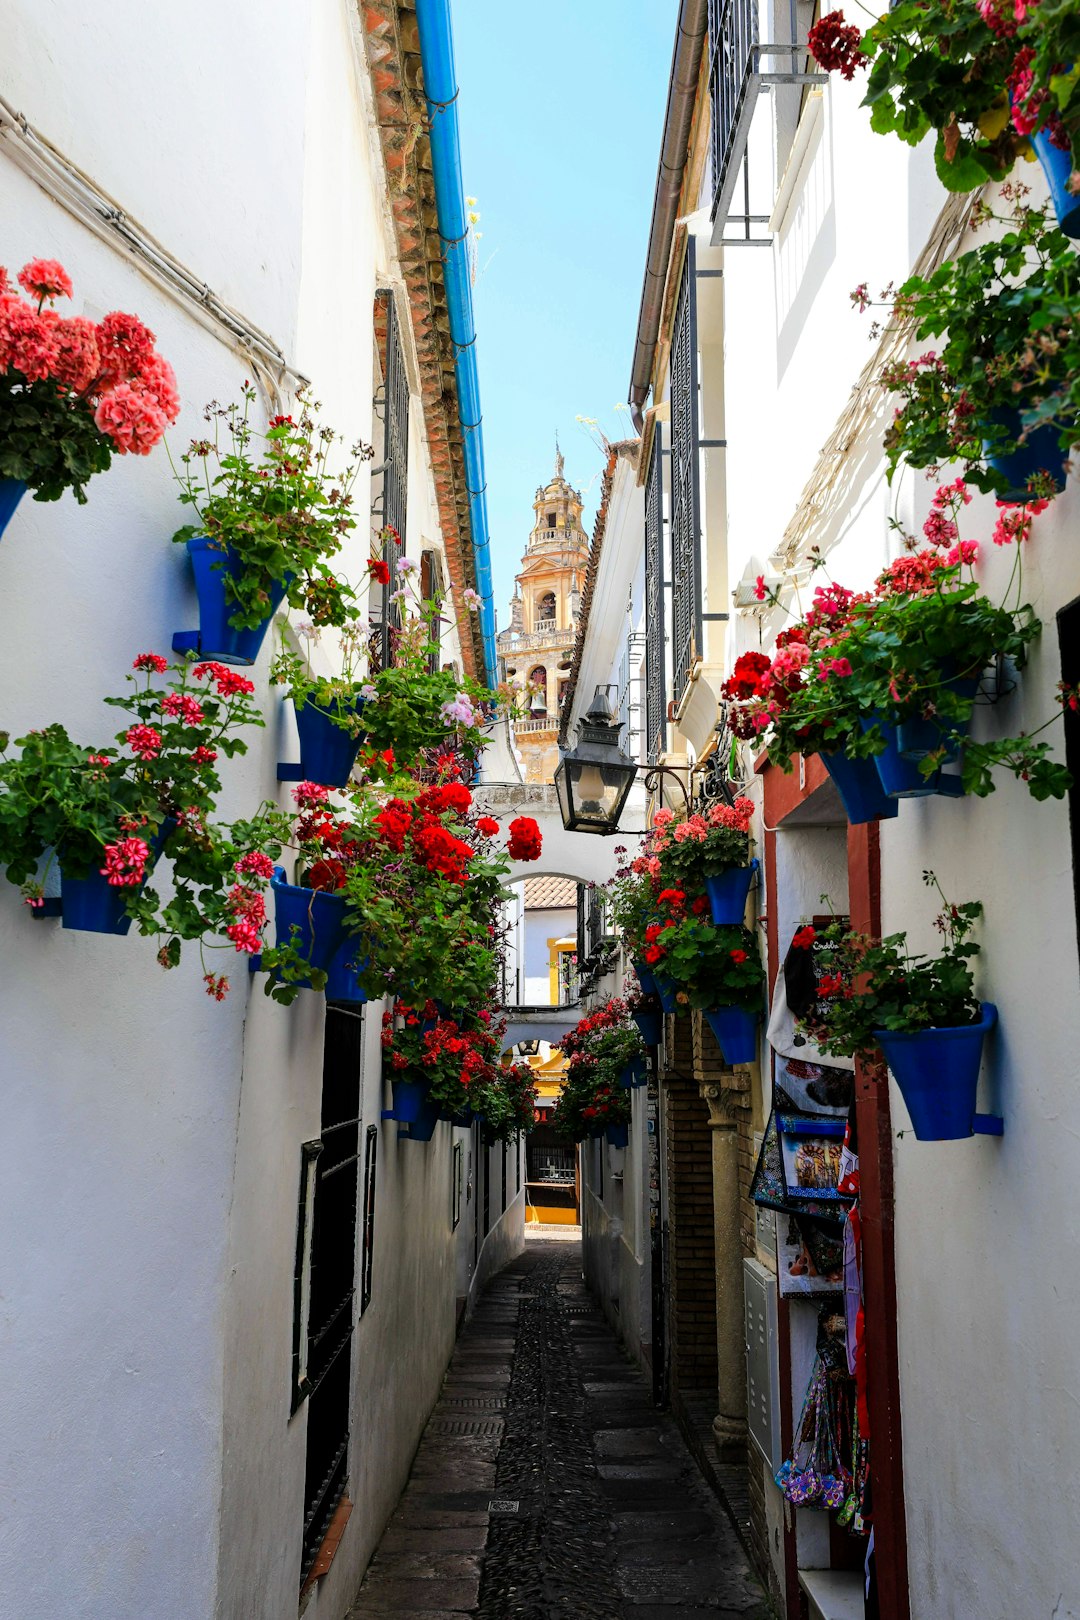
410	1097
1039	453
859	786
650	1025
327	751
635	1074
735	1029
93	905
645	978
618	1136
319	916
422	1128
342	976
900	776
217	637
12	491
666	991
1057	166
937	1071
916	738
727	893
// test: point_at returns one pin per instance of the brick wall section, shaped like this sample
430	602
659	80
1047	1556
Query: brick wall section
392	46
709	1067
691	1261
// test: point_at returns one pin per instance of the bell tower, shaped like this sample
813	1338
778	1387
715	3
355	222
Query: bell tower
536	650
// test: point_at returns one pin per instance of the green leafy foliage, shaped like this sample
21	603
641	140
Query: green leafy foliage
867	985
48	439
280	512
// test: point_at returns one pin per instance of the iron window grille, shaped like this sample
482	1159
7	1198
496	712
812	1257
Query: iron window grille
655	649
685	493
326	1279
390	505
740	66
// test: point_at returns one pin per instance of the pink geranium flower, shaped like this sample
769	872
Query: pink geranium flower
45	278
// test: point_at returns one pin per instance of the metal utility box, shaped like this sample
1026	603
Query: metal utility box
762	1361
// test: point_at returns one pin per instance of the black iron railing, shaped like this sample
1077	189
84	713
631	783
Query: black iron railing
740	65
685	496
655	649
392	408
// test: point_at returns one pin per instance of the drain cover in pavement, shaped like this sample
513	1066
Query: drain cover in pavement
499	1504
492	1426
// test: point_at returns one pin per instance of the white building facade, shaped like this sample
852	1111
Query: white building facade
762	439
158	1143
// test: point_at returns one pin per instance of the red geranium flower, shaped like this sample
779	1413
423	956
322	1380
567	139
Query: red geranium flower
379	571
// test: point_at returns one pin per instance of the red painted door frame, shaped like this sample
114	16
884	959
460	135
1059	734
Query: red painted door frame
783	794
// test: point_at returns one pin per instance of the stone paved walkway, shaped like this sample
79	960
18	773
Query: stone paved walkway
547	1486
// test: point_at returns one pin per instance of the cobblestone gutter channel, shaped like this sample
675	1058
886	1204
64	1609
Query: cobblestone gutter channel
554	1557
547	1486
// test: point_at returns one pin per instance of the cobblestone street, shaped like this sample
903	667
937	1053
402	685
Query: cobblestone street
547	1486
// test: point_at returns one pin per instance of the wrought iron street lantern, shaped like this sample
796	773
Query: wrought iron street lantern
592	780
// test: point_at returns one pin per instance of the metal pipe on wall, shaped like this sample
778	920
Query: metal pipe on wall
441	89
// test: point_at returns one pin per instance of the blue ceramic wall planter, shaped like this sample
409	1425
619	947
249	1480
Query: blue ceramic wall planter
12	491
618	1136
91	904
937	1071
327	750
1057	166
645	978
216	637
859	786
342	976
666	992
634	1075
409	1099
1039	453
735	1029
899	773
727	893
318	916
650	1025
422	1128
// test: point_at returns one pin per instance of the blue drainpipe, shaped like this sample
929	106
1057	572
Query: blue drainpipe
440	87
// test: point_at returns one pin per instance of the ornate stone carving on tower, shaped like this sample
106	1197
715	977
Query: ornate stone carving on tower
536	650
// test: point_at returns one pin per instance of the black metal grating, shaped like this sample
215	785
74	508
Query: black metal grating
733	33
685	506
655	649
392	406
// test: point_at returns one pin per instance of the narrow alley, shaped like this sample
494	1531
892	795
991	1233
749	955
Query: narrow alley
547	1486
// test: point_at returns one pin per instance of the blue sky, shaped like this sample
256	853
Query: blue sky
560	108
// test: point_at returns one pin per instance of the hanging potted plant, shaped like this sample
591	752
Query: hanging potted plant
614	1049
989	78
709	851
269	518
717	970
630	902
1002	392
921	1011
590	1105
73	393
800	701
105	815
505	1098
329	709
646	1012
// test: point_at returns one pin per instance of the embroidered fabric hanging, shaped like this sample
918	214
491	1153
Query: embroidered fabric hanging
818	1473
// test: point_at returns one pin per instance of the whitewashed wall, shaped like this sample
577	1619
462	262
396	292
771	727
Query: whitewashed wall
987	1321
152	1137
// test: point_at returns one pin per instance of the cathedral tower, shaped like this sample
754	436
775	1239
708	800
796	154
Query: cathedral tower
536	650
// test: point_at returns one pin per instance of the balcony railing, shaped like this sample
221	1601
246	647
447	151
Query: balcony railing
525	640
544	722
740	65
